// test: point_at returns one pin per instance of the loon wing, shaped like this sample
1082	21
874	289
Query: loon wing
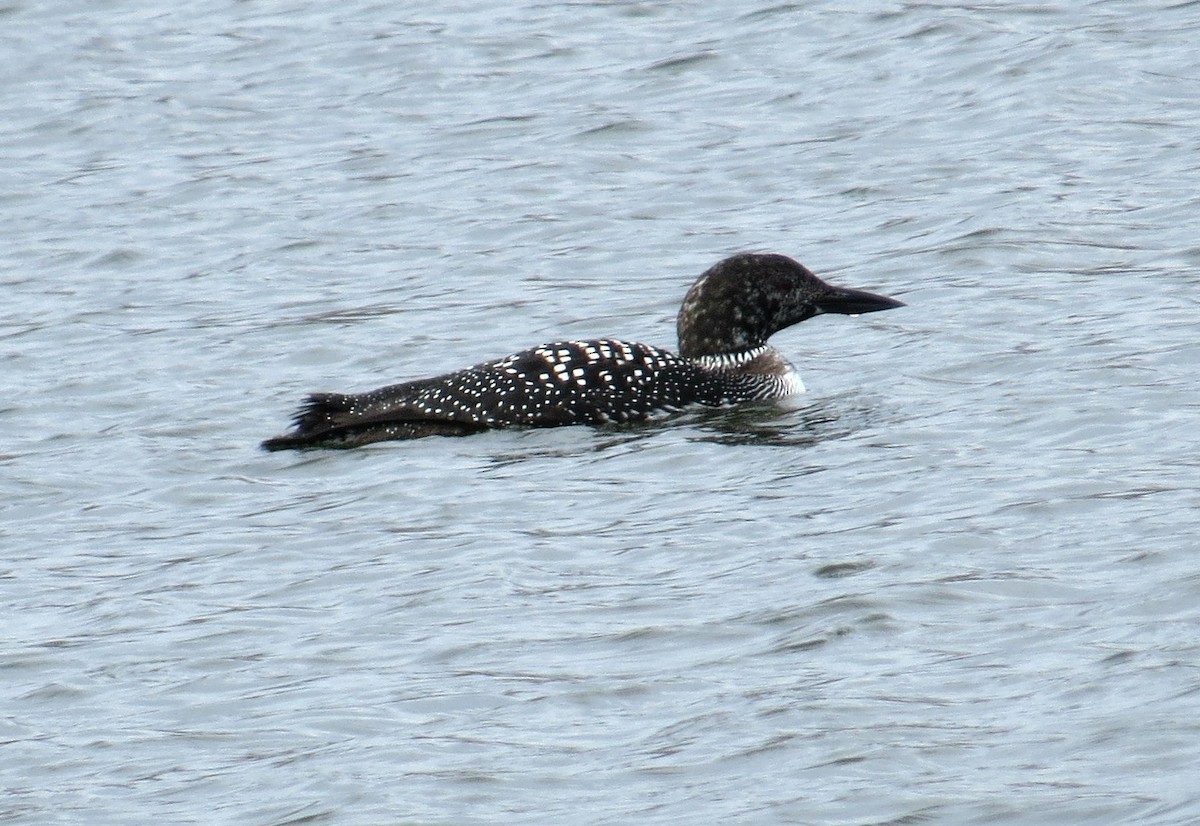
573	382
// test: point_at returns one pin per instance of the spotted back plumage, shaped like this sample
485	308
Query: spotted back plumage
567	382
596	381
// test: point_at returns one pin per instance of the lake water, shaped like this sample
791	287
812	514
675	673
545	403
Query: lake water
958	584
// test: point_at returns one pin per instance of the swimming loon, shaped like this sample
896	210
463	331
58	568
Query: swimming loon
723	326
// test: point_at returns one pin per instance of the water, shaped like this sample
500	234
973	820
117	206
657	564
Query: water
956	585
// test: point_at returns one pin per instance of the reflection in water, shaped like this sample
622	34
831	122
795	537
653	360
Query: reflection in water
768	425
764	424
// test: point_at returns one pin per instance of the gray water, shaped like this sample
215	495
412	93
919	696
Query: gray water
957	584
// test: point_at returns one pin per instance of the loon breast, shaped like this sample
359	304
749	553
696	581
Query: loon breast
595	381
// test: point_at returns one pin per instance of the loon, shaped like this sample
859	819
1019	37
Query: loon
723	326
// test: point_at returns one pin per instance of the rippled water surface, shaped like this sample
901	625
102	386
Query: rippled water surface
959	583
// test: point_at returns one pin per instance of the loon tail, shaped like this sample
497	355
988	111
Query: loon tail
333	420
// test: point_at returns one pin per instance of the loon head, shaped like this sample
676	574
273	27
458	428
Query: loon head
742	301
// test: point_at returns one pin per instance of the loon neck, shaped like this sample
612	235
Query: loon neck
755	363
759	372
737	361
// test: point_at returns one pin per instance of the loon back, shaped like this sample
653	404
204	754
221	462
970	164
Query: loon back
724	323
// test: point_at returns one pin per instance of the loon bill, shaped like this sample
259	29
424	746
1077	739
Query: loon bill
723	326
